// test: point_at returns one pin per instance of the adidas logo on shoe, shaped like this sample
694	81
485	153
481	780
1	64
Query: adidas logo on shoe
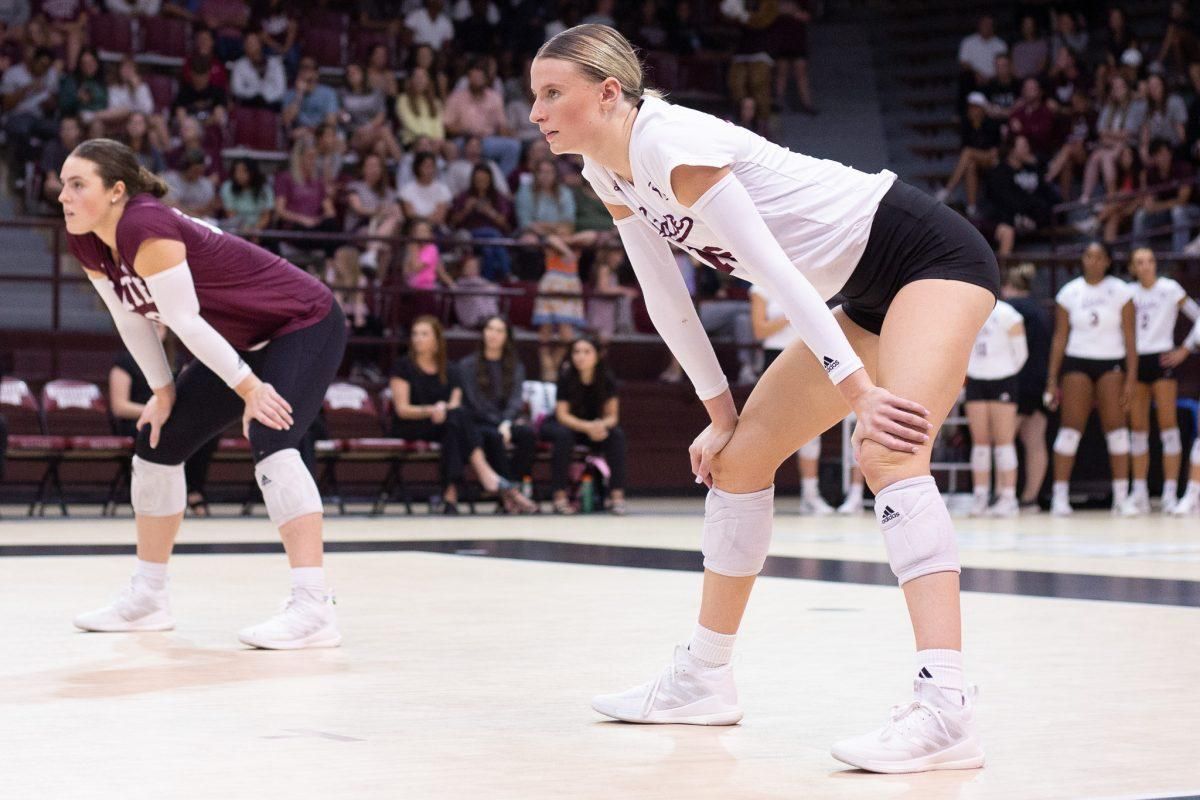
889	514
831	363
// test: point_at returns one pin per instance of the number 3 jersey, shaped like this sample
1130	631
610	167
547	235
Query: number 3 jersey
247	294
819	211
992	357
1095	313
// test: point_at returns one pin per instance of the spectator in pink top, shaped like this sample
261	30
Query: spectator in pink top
422	260
478	110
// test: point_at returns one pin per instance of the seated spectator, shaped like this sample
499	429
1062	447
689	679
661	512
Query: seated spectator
331	154
1018	197
379	15
457	175
1069	32
1003	89
1030	55
364	117
476	26
1113	213
981	142
258	79
1118	127
134	8
204	58
593	222
545	207
404	170
1180	51
1066	79
1171	204
535	152
199	98
304	202
191	191
649	33
587	412
1118	38
82	93
422	260
429	25
373	209
610	308
478	110
558	310
426	196
1166	117
60	25
128	93
14	16
1080	125
491	75
486	213
141	140
518	105
977	53
227	19
419	109
427	405
278	23
247	198
310	103
30	93
492	379
1034	119
474	299
380	75
70	134
425	57
193	136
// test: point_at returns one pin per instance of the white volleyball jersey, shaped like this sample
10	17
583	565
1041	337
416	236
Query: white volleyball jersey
781	339
1095	313
993	356
1157	311
819	211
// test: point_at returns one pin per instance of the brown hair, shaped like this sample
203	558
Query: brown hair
439	336
117	162
601	52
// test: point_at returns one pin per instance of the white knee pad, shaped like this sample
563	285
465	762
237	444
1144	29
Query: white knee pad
1139	443
811	450
1172	442
1006	457
1118	442
981	458
157	490
287	486
917	530
737	531
1066	443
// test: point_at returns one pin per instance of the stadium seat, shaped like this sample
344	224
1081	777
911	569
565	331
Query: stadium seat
326	45
29	444
111	33
255	128
78	411
164	36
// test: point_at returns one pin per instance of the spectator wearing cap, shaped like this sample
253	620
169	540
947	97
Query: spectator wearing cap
980	151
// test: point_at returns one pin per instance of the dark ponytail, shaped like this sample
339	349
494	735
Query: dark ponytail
117	162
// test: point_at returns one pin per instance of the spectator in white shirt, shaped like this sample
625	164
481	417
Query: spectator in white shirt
430	25
977	52
258	80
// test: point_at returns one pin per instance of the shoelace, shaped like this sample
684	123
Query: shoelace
902	712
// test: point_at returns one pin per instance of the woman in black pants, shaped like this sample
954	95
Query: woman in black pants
587	412
427	400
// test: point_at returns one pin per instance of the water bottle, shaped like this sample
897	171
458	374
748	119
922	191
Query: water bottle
527	487
587	494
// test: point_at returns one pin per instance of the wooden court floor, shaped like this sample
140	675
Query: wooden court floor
468	676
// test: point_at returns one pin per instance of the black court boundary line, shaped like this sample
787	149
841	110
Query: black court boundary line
1073	586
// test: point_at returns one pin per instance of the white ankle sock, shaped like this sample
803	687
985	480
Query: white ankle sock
1120	492
1140	488
1062	489
1193	488
980	491
711	648
153	575
1170	491
1009	493
309	580
809	488
944	668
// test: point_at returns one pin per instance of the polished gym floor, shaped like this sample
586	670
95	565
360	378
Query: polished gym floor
473	644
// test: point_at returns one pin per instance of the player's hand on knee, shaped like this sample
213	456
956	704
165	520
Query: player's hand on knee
268	407
704	449
891	421
155	414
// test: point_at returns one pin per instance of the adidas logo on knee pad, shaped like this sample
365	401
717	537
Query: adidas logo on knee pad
889	514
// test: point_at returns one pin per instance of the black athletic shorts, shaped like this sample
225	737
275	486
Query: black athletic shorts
1029	402
300	366
1002	390
769	357
914	237
1150	370
1094	368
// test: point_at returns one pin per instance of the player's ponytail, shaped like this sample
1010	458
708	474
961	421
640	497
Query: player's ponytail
117	162
601	52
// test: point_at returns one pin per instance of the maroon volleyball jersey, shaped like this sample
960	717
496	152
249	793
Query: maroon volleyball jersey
247	294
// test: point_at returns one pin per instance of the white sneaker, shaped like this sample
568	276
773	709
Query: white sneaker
1135	506
1187	506
853	504
1168	504
815	506
926	734
686	692
304	622
137	608
1005	507
1061	507
979	505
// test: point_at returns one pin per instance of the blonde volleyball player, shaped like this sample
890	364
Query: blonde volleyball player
771	328
268	340
1094	351
1157	302
992	388
803	229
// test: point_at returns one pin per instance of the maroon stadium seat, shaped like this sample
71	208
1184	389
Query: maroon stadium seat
163	88
256	128
164	36
326	45
364	40
111	33
78	411
33	455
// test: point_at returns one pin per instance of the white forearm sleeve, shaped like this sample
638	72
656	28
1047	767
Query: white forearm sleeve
139	337
1192	342
175	295
1190	309
730	214
670	306
1020	350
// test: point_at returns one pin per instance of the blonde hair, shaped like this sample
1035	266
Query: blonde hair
1021	276
601	52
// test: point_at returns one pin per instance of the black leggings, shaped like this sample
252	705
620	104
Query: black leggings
564	440
457	436
300	365
524	443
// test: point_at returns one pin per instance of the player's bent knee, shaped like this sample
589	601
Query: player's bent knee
981	458
157	490
1066	443
917	530
1006	457
288	488
737	531
1172	442
1118	442
1139	443
881	465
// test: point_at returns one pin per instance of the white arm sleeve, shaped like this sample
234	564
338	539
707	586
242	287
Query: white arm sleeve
1190	309
139	337
670	306
175	296
730	214
1192	342
1020	349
